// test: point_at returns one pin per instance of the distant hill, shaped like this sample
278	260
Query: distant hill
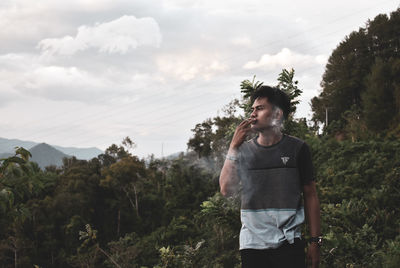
7	148
8	145
5	155
80	153
46	155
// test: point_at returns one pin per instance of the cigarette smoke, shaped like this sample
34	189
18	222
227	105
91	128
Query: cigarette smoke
276	124
277	120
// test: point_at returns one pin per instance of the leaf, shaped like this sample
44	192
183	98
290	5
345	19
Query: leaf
25	154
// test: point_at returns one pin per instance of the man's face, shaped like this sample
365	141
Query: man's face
262	115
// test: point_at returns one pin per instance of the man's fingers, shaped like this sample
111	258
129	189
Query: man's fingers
245	123
247	126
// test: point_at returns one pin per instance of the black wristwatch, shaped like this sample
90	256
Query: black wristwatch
317	239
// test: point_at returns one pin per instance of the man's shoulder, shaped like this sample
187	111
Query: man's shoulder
294	139
293	143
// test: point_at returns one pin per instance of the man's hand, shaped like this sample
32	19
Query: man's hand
313	254
240	134
228	179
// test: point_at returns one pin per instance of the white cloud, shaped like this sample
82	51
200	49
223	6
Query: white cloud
75	84
71	4
7	95
12	67
242	41
189	65
60	83
117	36
285	59
12	62
27	75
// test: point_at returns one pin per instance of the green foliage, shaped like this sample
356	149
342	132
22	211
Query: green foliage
47	221
124	177
201	142
167	257
343	80
125	251
183	222
378	99
358	186
247	88
288	85
212	137
355	126
21	157
362	76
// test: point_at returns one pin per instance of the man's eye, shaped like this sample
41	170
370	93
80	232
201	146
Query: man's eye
258	108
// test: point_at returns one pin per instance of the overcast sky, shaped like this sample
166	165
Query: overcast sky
87	73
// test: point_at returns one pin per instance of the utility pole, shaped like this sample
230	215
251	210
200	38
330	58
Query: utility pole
326	116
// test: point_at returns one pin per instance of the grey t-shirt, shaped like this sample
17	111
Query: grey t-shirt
271	180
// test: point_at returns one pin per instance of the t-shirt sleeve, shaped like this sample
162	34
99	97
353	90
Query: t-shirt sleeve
305	166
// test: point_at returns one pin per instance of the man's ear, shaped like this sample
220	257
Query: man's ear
279	114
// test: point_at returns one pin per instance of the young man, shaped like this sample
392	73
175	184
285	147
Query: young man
273	172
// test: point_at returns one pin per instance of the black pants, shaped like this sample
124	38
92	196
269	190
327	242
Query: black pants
286	256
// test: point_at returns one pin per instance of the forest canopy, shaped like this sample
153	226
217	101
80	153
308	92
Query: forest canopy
362	81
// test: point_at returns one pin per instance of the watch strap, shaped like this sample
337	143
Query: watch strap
232	158
316	239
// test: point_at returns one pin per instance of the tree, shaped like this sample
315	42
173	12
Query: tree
379	105
203	136
247	88
349	69
288	85
292	126
21	184
212	137
20	157
89	247
355	124
342	81
124	178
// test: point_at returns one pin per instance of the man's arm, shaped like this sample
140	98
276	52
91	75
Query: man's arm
312	209
228	180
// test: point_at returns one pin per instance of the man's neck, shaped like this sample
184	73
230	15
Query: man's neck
269	137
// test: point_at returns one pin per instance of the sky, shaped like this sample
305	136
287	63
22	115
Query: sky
87	73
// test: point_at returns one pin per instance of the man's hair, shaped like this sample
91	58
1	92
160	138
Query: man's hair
275	96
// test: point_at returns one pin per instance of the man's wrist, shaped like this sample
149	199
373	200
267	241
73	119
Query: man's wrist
232	154
233	149
233	158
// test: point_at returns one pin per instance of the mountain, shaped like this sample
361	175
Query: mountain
7	148
5	155
8	145
46	155
80	153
